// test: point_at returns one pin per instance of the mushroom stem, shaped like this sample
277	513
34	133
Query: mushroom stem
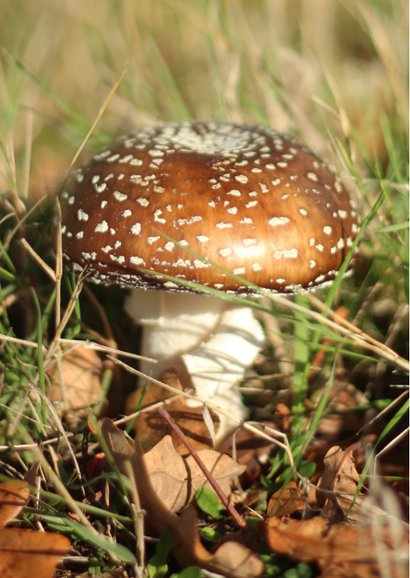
205	338
173	323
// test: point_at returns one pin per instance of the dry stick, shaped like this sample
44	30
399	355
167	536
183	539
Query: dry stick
58	266
97	119
138	517
27	154
344	327
237	518
19	225
65	318
36	257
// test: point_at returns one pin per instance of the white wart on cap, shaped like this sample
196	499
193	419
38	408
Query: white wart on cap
251	200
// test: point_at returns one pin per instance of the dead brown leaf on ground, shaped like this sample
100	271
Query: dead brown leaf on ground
376	545
168	474
25	553
13	496
75	381
223	468
341	550
231	559
22	551
287	501
175	479
150	428
337	488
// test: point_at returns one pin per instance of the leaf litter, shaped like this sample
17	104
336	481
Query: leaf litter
175	479
340	529
23	551
231	559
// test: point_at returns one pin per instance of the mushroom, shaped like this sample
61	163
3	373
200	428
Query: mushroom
222	205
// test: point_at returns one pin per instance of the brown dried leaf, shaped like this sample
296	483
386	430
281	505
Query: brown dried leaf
25	553
126	457
23	550
150	428
300	539
13	496
338	484
176	479
75	381
168	474
339	550
236	560
223	468
286	501
187	547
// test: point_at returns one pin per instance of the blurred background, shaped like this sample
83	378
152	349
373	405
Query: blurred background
328	71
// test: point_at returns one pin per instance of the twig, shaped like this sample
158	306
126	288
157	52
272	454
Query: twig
236	517
36	257
97	119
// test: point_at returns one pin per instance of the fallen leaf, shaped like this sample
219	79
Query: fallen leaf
223	468
75	381
150	428
29	553
187	547
238	560
176	479
300	539
168	474
13	496
340	549
132	457
286	501
23	550
338	484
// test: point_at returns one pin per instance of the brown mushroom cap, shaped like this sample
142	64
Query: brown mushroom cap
246	198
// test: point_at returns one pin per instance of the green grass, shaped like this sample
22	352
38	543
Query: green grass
331	73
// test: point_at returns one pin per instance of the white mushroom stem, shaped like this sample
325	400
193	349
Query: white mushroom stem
211	339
